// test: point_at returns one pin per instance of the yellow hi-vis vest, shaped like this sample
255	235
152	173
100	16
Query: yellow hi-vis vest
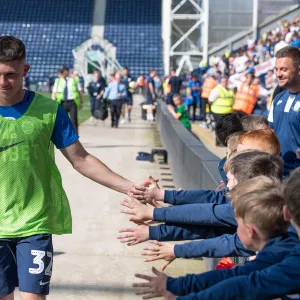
223	104
59	96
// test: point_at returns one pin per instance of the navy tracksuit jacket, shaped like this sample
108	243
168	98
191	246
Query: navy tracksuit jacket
219	237
271	275
188	222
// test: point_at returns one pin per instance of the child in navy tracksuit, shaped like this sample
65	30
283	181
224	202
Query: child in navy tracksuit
276	270
206	221
189	222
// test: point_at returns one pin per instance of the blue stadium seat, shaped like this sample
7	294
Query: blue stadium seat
49	29
134	27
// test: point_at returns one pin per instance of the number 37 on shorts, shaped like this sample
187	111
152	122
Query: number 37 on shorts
27	263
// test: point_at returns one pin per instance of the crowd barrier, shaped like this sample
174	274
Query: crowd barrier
192	165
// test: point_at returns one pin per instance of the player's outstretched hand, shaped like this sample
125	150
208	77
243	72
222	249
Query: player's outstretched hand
133	236
161	251
137	209
140	187
146	194
156	286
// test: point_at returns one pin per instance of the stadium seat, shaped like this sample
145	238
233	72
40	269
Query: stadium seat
50	30
134	27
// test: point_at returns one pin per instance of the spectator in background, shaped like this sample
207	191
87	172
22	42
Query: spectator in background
157	85
246	96
67	91
208	85
218	76
202	64
239	62
180	113
127	100
140	83
96	90
27	81
174	85
260	50
151	95
268	45
115	92
166	87
194	88
295	40
270	80
221	99
102	80
223	65
261	103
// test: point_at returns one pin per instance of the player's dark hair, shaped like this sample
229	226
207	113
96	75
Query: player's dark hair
227	125
64	68
11	48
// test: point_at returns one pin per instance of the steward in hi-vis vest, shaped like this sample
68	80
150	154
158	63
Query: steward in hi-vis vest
221	99
67	92
223	104
246	96
208	84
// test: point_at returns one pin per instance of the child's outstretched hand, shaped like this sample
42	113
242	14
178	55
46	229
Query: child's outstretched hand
156	286
146	194
133	236
137	209
162	251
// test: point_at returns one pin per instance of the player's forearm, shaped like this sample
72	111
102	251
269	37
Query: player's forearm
94	169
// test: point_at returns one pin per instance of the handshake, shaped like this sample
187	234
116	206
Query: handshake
140	206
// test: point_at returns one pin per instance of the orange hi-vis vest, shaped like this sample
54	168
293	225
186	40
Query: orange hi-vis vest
246	98
140	81
208	85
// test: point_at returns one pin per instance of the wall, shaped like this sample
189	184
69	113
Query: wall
193	166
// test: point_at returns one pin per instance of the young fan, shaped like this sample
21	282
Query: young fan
261	227
254	122
206	221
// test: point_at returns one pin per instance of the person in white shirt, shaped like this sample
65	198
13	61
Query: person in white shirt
68	92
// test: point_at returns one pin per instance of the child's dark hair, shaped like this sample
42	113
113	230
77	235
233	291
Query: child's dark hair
254	122
263	207
250	164
227	125
176	95
291	191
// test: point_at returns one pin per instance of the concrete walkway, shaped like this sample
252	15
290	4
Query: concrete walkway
91	263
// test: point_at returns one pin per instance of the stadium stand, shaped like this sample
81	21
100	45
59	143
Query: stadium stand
50	30
134	27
